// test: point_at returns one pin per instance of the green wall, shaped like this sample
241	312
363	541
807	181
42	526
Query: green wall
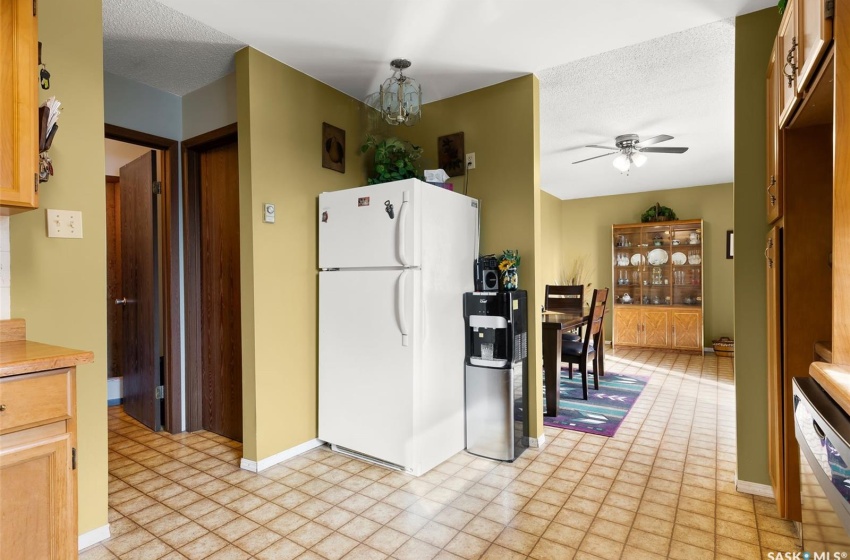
551	257
585	226
59	285
501	125
754	36
280	115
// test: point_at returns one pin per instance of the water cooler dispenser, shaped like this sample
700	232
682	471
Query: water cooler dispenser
496	372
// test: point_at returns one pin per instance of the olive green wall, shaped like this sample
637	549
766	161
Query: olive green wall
280	115
754	36
551	259
585	225
59	285
501	125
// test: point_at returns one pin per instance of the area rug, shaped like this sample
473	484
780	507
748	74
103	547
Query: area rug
603	411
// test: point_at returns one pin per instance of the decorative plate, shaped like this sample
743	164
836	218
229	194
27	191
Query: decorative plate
657	257
637	258
679	258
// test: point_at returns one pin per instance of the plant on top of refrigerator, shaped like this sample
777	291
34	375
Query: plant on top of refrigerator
395	159
509	259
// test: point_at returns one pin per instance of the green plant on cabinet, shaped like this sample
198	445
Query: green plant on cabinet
395	159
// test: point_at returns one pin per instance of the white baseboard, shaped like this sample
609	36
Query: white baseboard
764	490
537	442
263	464
93	537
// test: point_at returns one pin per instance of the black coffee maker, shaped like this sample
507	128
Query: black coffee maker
487	274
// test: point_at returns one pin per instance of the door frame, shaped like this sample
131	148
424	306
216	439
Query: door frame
192	149
170	245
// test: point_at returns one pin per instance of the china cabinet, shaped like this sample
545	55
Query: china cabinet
657	281
18	106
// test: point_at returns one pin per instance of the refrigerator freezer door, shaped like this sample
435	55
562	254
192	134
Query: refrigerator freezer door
366	364
370	227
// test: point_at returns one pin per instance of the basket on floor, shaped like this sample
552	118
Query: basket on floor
724	347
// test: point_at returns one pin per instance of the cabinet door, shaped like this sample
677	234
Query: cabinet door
775	444
626	326
787	53
655	328
774	141
687	329
37	517
18	104
814	35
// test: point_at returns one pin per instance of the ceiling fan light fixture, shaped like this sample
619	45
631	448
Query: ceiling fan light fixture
638	159
400	96
622	163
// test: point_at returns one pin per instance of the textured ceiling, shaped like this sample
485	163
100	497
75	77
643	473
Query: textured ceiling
681	84
148	42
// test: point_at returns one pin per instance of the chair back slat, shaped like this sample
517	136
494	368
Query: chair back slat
564	298
594	322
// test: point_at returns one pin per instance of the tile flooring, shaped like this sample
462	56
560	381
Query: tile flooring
663	487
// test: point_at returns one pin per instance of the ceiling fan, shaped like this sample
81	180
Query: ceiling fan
631	150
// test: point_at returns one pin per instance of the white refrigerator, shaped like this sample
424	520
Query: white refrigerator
394	262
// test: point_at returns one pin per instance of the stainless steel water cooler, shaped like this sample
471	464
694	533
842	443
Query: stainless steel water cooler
496	371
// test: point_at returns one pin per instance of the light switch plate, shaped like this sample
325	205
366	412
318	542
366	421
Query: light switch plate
268	213
65	223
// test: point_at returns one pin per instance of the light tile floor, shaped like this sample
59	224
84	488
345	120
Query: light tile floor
663	487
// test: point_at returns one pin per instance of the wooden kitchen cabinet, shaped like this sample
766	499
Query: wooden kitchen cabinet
627	332
786	56
775	440
18	105
773	197
686	329
38	482
655	328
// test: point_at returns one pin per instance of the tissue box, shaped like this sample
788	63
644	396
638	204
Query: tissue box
447	186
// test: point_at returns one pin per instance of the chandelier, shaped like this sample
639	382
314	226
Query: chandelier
400	96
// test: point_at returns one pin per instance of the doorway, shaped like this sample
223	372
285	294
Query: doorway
213	291
143	277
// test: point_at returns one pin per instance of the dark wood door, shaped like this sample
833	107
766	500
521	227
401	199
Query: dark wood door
138	302
221	317
114	289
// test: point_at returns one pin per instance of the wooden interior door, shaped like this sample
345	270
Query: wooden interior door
114	288
139	300
221	316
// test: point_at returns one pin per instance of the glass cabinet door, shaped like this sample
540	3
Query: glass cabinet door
687	263
628	265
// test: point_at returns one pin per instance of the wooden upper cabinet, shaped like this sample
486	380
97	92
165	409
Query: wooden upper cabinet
814	32
788	55
773	196
18	104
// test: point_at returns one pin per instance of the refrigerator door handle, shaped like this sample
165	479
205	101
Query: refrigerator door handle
401	291
401	238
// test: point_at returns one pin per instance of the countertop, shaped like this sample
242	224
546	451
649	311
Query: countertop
19	355
835	380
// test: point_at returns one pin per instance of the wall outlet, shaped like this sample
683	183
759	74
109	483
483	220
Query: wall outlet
470	161
65	223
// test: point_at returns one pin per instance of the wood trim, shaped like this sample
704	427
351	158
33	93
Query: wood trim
192	149
112	179
171	264
12	330
841	190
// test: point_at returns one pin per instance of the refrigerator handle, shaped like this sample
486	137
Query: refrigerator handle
401	291
401	238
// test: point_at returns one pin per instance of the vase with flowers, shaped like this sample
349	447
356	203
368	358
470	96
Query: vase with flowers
508	264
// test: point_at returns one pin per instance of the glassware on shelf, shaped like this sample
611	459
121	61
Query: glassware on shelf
656	275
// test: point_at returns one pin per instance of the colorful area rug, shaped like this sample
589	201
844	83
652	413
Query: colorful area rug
603	411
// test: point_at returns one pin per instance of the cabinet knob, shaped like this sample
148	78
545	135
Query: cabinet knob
2	407
122	301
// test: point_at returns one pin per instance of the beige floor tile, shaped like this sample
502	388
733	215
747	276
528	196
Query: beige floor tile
230	552
359	528
610	530
386	540
436	534
236	529
309	534
517	540
284	549
203	547
601	547
550	550
467	546
335	546
694	537
483	528
737	549
363	552
257	540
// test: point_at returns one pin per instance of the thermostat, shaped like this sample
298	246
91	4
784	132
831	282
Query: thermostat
268	213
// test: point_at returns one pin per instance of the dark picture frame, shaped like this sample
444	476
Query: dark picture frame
450	154
333	148
730	244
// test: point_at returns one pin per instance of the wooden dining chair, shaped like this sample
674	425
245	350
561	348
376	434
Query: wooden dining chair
567	299
585	352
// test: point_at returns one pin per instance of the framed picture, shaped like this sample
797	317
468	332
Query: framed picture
333	148
450	154
730	244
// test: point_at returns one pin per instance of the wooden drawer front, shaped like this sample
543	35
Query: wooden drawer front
33	399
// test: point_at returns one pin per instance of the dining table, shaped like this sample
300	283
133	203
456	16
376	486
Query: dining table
555	324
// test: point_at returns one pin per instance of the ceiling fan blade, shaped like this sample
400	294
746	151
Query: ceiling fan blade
654	140
594	157
663	150
603	147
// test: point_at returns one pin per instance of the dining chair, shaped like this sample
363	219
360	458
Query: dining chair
565	299
585	352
